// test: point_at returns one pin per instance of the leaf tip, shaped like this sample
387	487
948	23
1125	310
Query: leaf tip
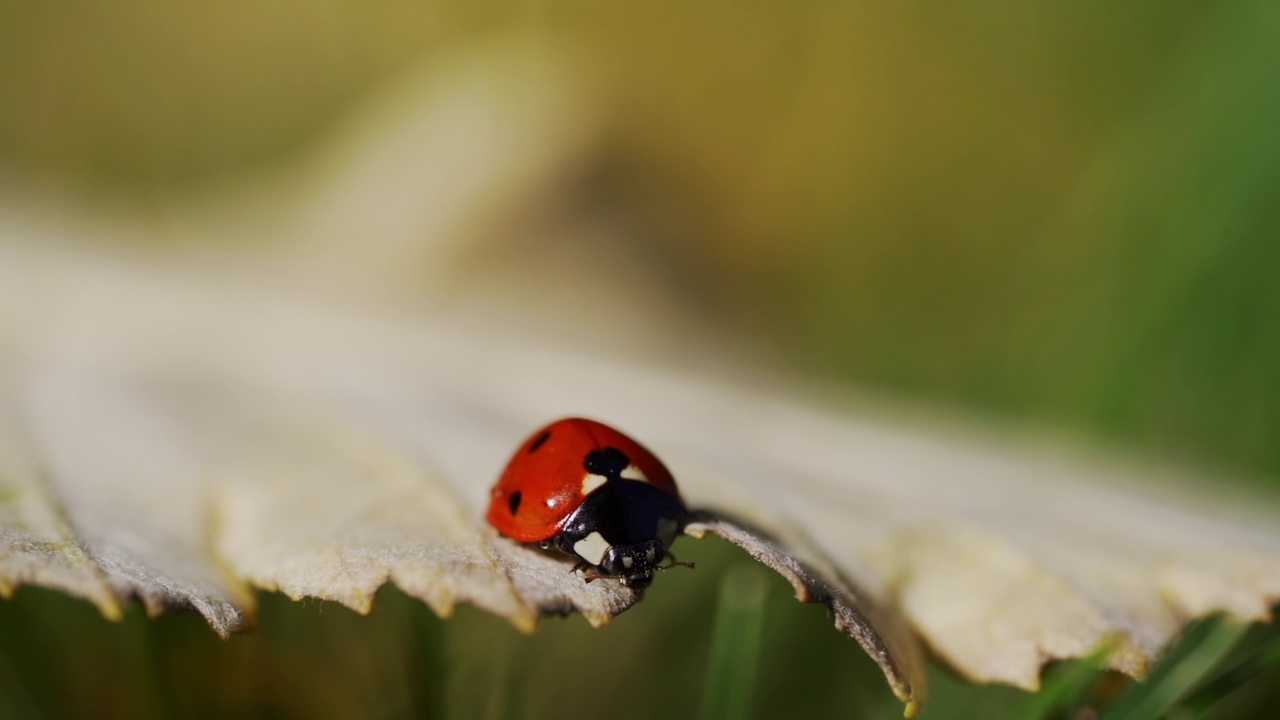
597	619
110	608
525	623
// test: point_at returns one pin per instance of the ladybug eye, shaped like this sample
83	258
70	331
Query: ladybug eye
538	443
515	502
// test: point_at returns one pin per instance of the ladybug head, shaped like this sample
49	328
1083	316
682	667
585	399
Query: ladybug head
634	564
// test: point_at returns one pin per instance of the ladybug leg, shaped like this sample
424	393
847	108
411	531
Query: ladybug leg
591	573
593	578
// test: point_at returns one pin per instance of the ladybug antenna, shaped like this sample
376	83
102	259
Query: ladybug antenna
674	563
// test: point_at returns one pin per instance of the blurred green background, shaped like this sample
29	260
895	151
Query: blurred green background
1060	214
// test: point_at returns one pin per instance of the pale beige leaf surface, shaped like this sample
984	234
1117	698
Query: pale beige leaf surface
222	436
36	546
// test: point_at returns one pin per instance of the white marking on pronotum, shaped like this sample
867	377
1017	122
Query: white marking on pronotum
590	482
592	548
667	531
650	555
631	472
627	562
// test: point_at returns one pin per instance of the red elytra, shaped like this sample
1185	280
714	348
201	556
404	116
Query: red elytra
592	492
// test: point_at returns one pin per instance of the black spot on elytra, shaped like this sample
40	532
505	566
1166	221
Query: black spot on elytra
609	462
545	436
515	502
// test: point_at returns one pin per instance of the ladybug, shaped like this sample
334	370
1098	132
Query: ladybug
585	489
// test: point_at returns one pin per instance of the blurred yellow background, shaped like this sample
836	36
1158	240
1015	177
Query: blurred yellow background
1059	213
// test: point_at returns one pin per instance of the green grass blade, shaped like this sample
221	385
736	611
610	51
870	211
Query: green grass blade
735	646
1199	652
1063	687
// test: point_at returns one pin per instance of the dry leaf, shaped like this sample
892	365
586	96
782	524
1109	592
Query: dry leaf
182	438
